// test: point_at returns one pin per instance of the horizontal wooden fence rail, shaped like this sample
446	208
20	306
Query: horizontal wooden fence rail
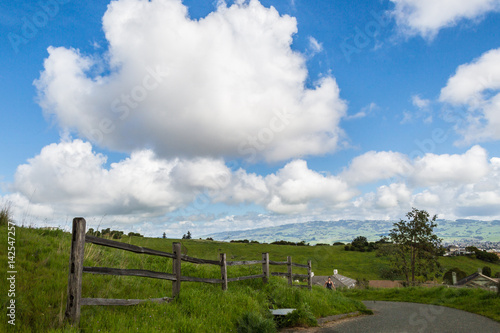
241	278
126	247
76	270
129	272
245	262
115	301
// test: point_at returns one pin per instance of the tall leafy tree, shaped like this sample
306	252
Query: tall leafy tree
359	242
415	245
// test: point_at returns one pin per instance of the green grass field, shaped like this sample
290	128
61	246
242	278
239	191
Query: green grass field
42	258
357	265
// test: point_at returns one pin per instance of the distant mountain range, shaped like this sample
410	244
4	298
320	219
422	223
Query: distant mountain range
346	230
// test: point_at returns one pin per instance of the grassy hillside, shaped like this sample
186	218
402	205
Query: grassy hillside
42	264
362	265
346	230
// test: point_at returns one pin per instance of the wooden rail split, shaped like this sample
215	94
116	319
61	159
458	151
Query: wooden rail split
265	267
76	270
176	268
289	266
223	270
309	275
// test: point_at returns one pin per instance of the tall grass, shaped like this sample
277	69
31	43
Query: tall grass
42	259
5	215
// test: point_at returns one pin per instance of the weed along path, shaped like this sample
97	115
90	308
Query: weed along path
392	317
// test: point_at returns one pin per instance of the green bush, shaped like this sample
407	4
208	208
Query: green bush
448	276
302	316
487	271
389	273
252	322
484	255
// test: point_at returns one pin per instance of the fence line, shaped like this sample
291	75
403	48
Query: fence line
76	270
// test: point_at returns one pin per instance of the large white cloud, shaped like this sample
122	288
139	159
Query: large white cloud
427	17
467	168
70	179
295	186
394	195
374	166
228	84
73	179
483	197
472	81
453	186
476	86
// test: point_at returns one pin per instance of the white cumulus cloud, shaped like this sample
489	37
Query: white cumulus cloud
70	179
228	84
73	179
394	195
467	168
476	86
375	166
428	17
295	186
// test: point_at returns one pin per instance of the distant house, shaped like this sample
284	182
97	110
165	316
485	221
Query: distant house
453	250
478	280
339	281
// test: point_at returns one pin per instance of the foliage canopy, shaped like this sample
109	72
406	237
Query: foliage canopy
415	245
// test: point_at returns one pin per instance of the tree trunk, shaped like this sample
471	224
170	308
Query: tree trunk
413	259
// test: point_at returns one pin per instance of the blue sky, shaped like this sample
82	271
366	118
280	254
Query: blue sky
168	116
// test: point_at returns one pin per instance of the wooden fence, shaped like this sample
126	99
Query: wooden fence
76	270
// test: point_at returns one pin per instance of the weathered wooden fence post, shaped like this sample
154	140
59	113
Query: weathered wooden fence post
289	264
223	270
76	270
309	274
265	267
176	268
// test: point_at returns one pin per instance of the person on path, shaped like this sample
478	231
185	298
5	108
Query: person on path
329	284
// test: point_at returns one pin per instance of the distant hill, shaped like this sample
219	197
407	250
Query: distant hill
345	230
